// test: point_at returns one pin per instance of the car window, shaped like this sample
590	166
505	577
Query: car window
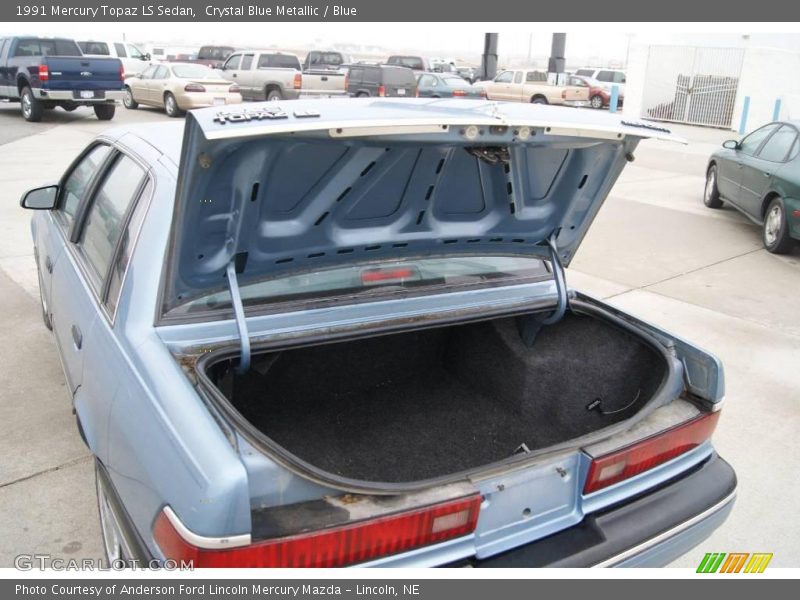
104	219
576	81
161	73
372	75
534	76
120	48
427	81
214	52
100	48
247	62
619	77
233	62
504	77
355	74
279	61
41	47
149	72
778	145
412	62
751	143
126	244
194	72
518	77
77	182
585	72
606	76
133	51
455	82
399	76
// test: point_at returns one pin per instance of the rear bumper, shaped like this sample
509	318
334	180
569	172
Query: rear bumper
69	96
650	530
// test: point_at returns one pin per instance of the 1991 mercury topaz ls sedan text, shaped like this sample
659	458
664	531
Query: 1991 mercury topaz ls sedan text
339	333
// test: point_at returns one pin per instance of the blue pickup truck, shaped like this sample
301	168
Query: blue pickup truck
42	73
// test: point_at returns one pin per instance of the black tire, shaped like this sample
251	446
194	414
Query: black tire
171	106
104	112
596	101
127	99
32	109
711	196
362	95
775	231
273	95
539	100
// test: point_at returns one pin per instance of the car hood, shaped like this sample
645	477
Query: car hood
279	188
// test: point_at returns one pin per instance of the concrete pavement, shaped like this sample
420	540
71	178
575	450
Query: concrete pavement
654	251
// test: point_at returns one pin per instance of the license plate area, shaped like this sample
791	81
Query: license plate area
87	95
401	91
219	101
528	504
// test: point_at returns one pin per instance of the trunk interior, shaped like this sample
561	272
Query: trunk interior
410	406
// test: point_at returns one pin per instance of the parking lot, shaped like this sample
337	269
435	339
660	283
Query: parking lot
654	251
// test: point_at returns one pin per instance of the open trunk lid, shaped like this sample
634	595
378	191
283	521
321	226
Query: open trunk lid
267	190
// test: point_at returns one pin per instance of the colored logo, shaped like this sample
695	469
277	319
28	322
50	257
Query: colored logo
734	562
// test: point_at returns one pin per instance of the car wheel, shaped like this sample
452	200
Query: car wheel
362	95
32	109
104	112
596	101
109	529
539	100
128	100
274	95
711	194
171	106
776	230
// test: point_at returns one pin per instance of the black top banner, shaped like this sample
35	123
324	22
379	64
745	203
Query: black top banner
33	11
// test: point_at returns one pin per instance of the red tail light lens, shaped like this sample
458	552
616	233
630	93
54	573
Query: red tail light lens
334	547
121	72
234	89
298	81
44	74
193	87
637	458
381	90
390	275
459	93
346	82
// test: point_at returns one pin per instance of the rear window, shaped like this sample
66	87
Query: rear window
100	48
455	82
44	47
194	72
325	58
214	52
278	61
585	72
412	62
399	76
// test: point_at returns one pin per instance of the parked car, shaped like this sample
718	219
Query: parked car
328	60
270	75
43	73
524	85
605	77
134	61
324	73
469	74
760	177
585	91
417	64
445	85
213	56
178	87
333	334
381	81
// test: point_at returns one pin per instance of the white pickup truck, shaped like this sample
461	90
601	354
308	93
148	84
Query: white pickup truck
271	75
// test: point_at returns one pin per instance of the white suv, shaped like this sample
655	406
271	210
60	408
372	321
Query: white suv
605	77
134	61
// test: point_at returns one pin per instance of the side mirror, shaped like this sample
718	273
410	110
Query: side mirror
41	198
730	144
145	56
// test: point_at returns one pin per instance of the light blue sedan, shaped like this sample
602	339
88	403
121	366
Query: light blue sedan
339	334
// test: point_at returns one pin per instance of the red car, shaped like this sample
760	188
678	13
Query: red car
598	96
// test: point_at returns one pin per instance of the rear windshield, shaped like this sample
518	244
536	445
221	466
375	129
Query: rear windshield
370	279
456	82
412	62
100	48
194	72
214	52
44	47
278	61
399	76
326	58
585	72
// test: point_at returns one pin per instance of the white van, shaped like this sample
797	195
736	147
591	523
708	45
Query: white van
134	61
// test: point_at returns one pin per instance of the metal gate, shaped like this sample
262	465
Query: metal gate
690	84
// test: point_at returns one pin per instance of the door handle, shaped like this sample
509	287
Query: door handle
77	337
234	74
324	78
48	264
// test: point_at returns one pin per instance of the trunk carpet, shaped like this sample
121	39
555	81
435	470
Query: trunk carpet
424	404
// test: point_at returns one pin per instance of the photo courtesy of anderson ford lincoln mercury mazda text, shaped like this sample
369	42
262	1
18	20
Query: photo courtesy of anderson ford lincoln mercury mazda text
304	333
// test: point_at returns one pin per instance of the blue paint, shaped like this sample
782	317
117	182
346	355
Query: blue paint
745	110
776	112
614	101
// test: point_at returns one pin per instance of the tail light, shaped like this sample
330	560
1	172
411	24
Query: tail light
121	72
381	90
650	452
459	93
234	89
298	81
482	94
194	87
389	275
564	94
416	93
334	547
346	81
44	74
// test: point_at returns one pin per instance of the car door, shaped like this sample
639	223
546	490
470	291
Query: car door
426	86
140	86
230	70
245	76
137	60
750	170
500	88
758	171
158	85
729	163
576	91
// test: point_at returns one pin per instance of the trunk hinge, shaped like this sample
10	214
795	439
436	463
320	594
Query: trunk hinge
530	325
241	323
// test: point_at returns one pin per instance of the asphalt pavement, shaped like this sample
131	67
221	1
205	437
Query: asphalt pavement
654	251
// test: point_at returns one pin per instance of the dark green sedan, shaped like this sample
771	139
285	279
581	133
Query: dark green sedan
760	177
447	85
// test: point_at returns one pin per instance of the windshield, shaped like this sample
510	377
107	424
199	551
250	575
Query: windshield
214	52
194	72
412	62
370	279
